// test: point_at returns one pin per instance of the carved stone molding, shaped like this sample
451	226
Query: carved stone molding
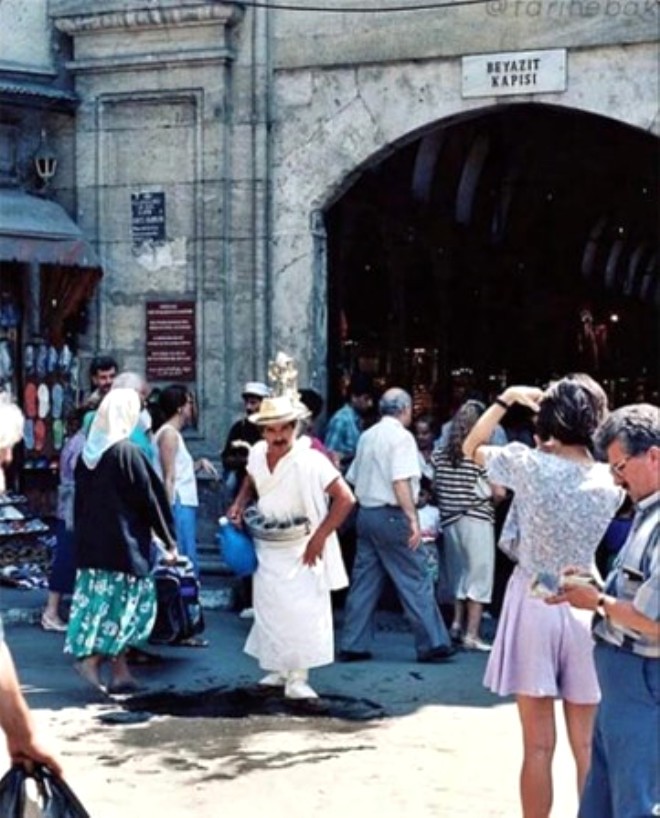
149	18
149	62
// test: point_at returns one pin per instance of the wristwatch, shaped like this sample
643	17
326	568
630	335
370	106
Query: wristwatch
600	606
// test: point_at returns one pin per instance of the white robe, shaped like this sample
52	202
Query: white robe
293	627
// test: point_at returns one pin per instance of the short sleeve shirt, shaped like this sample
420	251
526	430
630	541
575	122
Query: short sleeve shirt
386	452
343	431
563	507
635	577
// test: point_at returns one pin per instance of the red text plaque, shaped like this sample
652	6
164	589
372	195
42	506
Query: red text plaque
171	341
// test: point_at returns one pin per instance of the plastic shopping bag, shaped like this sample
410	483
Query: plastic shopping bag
54	798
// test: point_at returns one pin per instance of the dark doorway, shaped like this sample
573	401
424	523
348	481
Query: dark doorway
506	245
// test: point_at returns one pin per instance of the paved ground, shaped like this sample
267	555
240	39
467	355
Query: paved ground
396	738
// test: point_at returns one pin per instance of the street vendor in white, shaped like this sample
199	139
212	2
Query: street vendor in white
301	500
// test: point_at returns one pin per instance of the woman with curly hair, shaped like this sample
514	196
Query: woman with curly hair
467	512
564	503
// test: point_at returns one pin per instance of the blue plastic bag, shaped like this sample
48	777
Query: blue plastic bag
237	549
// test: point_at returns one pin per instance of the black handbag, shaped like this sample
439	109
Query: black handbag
56	798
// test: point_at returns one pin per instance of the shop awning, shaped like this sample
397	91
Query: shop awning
38	230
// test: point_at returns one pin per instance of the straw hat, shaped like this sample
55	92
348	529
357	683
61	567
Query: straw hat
278	410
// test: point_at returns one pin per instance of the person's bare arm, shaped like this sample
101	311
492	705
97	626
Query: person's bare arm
16	719
168	444
341	502
404	496
474	445
246	493
203	464
620	611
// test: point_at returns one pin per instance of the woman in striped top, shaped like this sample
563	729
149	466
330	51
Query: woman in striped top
467	511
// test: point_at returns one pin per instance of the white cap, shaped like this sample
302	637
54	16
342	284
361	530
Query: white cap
256	388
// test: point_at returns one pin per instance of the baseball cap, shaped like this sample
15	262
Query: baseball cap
255	388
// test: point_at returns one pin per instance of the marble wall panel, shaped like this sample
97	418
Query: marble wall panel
504	25
26	36
144	274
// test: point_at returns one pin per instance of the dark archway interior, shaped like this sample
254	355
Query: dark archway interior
516	243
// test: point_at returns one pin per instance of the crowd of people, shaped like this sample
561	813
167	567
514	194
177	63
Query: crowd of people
385	496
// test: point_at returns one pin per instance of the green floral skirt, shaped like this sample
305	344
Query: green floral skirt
110	611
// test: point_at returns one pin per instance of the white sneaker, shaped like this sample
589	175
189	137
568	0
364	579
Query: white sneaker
299	689
274	679
475	643
246	613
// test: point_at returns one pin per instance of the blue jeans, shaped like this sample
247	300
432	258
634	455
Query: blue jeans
185	525
624	778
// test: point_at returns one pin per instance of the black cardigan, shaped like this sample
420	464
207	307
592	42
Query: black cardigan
116	506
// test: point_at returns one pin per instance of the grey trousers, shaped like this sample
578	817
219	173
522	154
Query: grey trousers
382	551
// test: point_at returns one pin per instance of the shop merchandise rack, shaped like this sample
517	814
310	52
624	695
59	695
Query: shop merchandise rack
22	538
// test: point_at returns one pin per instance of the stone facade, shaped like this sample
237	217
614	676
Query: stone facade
252	121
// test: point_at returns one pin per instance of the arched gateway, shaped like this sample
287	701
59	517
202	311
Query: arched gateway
518	236
509	244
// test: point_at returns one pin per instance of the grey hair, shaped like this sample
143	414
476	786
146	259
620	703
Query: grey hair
394	402
129	380
635	427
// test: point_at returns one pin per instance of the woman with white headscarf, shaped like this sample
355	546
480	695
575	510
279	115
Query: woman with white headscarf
119	499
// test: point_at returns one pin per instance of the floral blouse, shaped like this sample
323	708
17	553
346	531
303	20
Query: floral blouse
563	507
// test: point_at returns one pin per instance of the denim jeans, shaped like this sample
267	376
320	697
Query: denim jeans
185	524
624	781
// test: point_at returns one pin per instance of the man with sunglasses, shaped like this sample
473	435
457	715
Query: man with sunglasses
624	778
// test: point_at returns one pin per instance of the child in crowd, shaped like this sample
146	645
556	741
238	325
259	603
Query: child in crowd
429	524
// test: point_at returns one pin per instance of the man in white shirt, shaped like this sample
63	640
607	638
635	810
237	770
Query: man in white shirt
386	474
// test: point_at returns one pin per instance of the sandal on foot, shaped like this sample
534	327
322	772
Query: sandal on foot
48	623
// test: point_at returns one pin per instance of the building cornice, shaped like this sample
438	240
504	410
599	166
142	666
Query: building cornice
148	62
227	13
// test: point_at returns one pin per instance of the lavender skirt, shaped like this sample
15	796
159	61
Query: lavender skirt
542	650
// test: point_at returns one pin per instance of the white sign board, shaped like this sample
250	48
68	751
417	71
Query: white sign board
516	72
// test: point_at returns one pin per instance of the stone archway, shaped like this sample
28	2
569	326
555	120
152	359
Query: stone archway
520	242
335	125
